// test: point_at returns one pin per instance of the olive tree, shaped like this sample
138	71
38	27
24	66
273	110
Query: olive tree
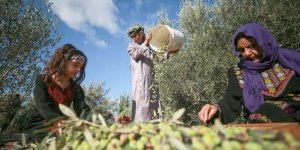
96	97
124	105
27	31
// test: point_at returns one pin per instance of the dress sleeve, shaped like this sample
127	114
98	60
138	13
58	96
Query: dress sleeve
79	104
45	106
231	103
137	51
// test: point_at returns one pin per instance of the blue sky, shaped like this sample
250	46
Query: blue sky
98	27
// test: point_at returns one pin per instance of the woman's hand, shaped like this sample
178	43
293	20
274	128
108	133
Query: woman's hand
207	112
296	97
148	38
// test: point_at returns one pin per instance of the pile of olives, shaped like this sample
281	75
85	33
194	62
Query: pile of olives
75	133
167	136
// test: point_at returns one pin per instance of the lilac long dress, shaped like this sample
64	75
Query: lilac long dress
145	106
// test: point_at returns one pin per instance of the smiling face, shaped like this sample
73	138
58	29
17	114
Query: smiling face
249	49
73	67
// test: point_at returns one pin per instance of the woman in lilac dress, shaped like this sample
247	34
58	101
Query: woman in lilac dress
145	104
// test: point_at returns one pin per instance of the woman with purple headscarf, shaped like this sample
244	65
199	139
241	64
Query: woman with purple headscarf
264	86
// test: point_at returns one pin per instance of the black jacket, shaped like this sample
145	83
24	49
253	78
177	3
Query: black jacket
46	109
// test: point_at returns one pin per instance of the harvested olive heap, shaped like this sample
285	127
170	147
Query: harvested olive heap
83	135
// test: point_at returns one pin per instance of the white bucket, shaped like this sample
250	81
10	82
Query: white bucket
163	35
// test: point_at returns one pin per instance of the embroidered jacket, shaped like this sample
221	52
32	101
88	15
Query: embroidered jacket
281	84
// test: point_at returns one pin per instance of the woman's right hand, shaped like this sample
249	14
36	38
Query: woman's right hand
148	38
207	112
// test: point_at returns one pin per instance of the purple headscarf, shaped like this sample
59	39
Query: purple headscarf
272	53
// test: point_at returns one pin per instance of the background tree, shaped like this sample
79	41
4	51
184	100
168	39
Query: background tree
163	17
9	105
96	97
124	105
197	74
27	31
19	114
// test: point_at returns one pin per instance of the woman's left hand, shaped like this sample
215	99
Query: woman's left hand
296	97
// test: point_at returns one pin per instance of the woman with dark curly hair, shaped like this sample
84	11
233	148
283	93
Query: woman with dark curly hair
58	84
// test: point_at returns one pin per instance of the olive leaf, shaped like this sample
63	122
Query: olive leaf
177	144
177	115
102	120
52	145
94	118
89	137
124	130
67	111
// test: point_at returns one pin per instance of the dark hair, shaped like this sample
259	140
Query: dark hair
59	60
242	35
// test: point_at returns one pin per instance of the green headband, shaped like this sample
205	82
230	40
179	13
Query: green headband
134	30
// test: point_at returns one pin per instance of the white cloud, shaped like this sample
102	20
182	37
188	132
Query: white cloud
87	15
134	7
138	3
